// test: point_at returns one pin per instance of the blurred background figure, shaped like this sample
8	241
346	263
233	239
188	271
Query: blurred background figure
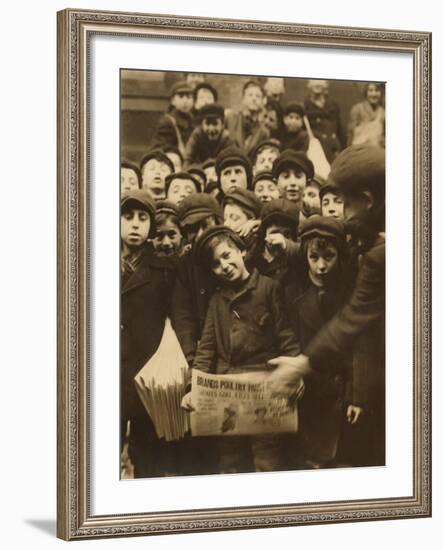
274	88
367	118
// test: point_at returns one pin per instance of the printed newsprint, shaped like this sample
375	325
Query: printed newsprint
238	404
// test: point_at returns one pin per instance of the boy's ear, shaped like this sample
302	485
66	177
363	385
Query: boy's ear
369	198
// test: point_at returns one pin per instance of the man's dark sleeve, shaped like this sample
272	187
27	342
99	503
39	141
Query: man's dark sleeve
365	307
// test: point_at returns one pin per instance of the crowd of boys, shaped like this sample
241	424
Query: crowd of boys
261	265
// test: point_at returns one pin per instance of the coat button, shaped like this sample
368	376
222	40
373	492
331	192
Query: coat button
202	291
122	327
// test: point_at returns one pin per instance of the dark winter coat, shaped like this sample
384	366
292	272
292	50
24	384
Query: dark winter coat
322	408
190	299
326	125
298	141
245	132
245	328
145	299
174	130
199	148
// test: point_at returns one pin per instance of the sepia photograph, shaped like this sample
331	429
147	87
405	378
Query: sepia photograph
252	274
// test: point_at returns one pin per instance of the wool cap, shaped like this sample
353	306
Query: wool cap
232	156
263	145
212	110
182	176
320	226
197	207
263	176
131	166
246	199
290	158
280	210
295	107
159	155
166	207
208	163
181	87
210	233
359	168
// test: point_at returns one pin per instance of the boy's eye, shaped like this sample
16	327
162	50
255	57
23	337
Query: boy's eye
127	216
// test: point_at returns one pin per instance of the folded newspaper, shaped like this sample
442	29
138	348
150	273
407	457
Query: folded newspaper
238	404
161	387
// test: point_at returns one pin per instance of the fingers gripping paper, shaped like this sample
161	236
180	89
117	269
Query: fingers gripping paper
161	386
238	404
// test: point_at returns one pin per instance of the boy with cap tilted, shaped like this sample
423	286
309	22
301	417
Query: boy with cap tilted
359	173
294	136
233	169
292	170
175	126
146	286
325	404
245	326
154	168
180	185
210	137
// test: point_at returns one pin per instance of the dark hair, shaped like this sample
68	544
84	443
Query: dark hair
205	86
378	85
131	166
254	83
208	249
272	105
163	217
321	243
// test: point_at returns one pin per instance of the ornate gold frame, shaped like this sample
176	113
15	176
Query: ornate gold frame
75	27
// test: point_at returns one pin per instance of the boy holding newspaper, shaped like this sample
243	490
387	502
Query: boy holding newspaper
245	327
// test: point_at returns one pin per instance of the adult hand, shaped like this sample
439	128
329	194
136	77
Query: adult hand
285	379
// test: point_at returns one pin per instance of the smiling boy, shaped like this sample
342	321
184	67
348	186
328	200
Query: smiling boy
292	170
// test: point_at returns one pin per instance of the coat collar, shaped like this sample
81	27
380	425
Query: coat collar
233	295
143	273
309	308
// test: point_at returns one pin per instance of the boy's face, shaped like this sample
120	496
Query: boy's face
253	98
291	183
183	102
212	127
322	263
311	200
332	206
153	178
232	177
167	238
204	97
356	211
128	179
270	119
176	161
265	159
179	189
228	263
211	174
266	190
234	217
196	229
135	227
373	94
293	122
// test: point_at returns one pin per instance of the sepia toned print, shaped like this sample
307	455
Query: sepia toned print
252	274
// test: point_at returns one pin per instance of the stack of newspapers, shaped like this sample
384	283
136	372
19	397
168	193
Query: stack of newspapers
161	386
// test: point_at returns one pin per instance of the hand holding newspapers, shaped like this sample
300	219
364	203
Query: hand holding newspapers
238	404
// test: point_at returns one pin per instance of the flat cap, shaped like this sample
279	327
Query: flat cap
290	158
159	155
280	209
197	207
212	110
263	176
181	87
321	226
232	156
245	199
208	234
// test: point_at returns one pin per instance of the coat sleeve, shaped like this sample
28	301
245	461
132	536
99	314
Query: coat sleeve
191	147
183	315
206	354
365	307
165	134
288	342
